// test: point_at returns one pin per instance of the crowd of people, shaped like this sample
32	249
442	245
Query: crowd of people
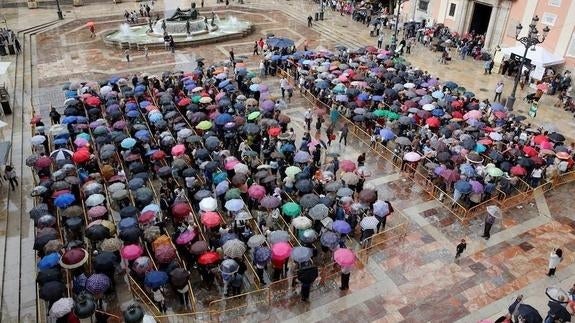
9	43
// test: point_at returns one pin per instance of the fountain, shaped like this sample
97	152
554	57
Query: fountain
187	27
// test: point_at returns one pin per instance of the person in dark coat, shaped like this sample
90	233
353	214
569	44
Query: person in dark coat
557	312
307	275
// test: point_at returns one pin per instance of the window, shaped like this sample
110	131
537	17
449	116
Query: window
548	19
423	4
571	49
554	3
452	7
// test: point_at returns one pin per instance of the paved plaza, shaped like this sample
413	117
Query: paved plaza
414	279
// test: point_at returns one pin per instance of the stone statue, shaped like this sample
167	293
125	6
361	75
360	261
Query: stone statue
164	25
206	23
188	27
183	15
213	23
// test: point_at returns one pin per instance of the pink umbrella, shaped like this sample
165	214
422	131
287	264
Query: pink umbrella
257	191
211	219
131	252
412	156
178	150
344	257
473	114
97	212
231	163
546	145
347	165
281	250
185	237
80	142
220	95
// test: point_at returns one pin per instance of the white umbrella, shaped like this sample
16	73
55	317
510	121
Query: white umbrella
116	187
241	168
369	222
301	222
208	204
234	248
61	307
256	240
61	154
494	211
95	199
37	140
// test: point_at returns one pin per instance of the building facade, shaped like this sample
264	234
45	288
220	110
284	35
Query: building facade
497	20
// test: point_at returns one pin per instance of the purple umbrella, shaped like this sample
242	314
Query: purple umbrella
98	284
341	227
262	255
268	105
329	239
439	169
476	187
301	157
270	202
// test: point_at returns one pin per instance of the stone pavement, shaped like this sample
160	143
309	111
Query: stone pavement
412	280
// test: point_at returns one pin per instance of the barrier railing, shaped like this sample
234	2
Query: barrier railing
240	306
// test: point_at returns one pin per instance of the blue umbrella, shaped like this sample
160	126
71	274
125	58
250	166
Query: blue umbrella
275	57
287	148
322	84
254	87
497	107
64	200
386	134
344	227
132	114
450	85
219	177
142	134
128	143
280	42
438	112
49	261
462	186
60	141
227	237
156	279
69	119
467	170
223	84
71	94
134	105
363	97
438	94
223	118
155	117
479	148
97	284
377	98
127	223
329	239
140	88
262	255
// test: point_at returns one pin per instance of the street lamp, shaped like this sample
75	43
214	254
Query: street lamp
394	42
528	41
60	15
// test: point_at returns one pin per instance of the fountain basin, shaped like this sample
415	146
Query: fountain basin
140	35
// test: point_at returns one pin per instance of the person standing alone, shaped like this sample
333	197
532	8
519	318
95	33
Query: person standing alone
554	259
498	91
10	175
492	212
460	248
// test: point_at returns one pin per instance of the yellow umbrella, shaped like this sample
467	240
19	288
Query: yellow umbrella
204	125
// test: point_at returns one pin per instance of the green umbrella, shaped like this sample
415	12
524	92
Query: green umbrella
380	113
204	125
254	115
251	75
291	209
292	171
234	193
84	136
196	99
392	115
494	171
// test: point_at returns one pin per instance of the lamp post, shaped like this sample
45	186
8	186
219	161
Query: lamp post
528	41
60	15
394	42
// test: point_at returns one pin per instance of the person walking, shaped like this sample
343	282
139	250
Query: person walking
492	213
345	275
146	53
232	57
309	21
460	248
308	117
486	65
344	131
55	116
92	31
380	41
283	86
555	258
307	276
256	48
127	55
498	91
10	175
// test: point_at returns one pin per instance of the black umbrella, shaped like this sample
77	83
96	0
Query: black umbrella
144	195
496	155
48	275
443	156
212	143
137	167
130	235
468	144
525	162
179	277
129	212
52	291
505	166
143	175
42	240
164	171
556	137
304	186
74	223
201	194
202	154
309	200
38	211
251	128
211	166
528	312
104	261
97	232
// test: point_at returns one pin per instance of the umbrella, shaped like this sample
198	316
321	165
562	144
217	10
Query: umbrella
494	211
270	202
155	279
344	257
234	248
281	250
291	209
208	204
262	255
165	253
49	261
341	227
234	205
208	258
309	200
329	239
292	171
95	199
347	165
131	252
301	254
368	196
62	307
302	157
556	294
211	219
104	261
369	222
52	291
198	247
301	222
186	237
403	141
278	236
64	200
304	186
412	156
256	191
229	266
318	212
344	191
334	186
463	186
74	258
256	240
97	284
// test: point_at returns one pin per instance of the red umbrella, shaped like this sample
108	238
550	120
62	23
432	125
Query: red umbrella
539	139
131	252
433	122
257	191
43	162
485	141
181	210
449	175
209	258
456	114
184	102
186	237
500	114
347	165
158	155
74	258
81	156
146	217
538	160
530	151
93	101
274	132
546	145
371	49
178	150
518	170
165	253
211	219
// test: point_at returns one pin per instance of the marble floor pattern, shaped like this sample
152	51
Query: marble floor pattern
411	280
